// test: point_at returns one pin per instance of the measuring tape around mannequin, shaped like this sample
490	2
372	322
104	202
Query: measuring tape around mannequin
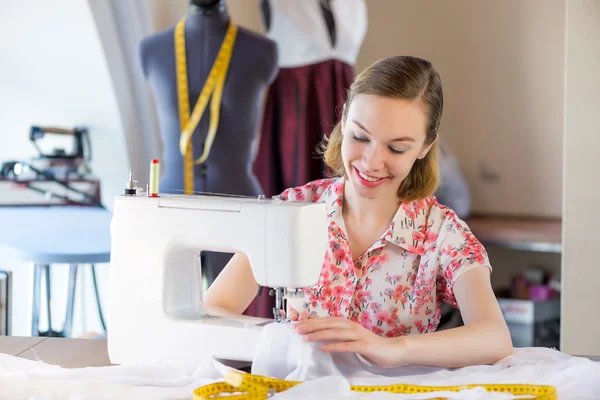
239	385
213	86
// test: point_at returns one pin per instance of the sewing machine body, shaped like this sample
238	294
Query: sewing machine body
155	299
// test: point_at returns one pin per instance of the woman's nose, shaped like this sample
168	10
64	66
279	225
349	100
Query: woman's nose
373	158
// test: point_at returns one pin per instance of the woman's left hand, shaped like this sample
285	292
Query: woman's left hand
344	335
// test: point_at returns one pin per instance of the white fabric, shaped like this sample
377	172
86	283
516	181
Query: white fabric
301	33
295	359
284	354
33	380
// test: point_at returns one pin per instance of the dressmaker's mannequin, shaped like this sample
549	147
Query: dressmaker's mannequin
252	68
318	42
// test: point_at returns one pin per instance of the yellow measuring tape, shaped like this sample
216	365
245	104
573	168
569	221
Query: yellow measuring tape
213	86
239	385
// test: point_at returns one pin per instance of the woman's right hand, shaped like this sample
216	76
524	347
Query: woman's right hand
300	316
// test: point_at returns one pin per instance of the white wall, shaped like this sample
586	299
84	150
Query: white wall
53	71
581	268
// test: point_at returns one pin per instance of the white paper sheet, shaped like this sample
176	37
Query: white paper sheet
283	354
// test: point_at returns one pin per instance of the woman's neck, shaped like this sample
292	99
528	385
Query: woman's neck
370	211
207	17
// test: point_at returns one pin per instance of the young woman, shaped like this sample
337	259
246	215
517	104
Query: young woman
394	252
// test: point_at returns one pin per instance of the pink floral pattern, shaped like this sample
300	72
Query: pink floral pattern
397	286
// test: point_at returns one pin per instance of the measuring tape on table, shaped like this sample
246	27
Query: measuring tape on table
213	86
242	386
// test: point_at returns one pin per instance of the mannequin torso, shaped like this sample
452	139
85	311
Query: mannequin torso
252	68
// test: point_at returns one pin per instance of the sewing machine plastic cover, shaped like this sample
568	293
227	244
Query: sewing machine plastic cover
155	271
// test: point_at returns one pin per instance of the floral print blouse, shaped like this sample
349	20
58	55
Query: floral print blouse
396	287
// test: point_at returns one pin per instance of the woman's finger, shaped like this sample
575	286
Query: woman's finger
304	315
319	324
293	314
338	335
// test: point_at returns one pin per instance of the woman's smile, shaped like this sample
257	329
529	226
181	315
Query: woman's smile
368	180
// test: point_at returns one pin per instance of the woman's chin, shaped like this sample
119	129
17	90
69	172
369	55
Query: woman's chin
368	192
385	189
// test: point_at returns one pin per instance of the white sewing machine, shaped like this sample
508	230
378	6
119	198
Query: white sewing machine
155	311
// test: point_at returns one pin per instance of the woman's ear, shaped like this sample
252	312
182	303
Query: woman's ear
426	149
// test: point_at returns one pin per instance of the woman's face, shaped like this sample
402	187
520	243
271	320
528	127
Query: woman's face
383	137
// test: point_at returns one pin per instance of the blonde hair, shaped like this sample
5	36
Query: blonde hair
401	77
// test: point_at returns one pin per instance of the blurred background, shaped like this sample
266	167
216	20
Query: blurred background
520	83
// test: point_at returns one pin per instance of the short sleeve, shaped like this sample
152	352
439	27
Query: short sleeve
459	251
311	192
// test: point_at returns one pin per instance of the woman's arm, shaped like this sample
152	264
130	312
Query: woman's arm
484	338
233	290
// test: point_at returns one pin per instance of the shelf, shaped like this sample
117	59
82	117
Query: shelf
528	234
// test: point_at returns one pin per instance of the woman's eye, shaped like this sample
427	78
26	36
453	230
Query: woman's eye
359	139
397	151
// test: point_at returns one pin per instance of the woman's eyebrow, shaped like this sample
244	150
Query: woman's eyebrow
400	139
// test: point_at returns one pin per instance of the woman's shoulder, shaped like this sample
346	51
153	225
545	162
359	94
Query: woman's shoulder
448	222
434	214
310	192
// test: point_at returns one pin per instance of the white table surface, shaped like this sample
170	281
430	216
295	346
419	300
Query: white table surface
56	234
65	352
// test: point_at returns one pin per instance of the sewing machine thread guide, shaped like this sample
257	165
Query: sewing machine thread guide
130	189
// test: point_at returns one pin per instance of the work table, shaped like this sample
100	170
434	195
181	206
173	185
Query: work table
67	352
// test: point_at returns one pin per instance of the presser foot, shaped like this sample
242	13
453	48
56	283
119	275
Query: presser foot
279	315
278	310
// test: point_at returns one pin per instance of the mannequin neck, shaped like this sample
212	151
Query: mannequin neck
207	17
197	11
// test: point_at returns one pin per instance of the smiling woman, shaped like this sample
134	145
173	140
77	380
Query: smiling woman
383	155
395	253
408	92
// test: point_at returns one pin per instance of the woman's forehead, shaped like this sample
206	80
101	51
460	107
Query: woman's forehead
387	117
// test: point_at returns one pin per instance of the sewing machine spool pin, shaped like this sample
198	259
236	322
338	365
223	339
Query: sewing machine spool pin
130	189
